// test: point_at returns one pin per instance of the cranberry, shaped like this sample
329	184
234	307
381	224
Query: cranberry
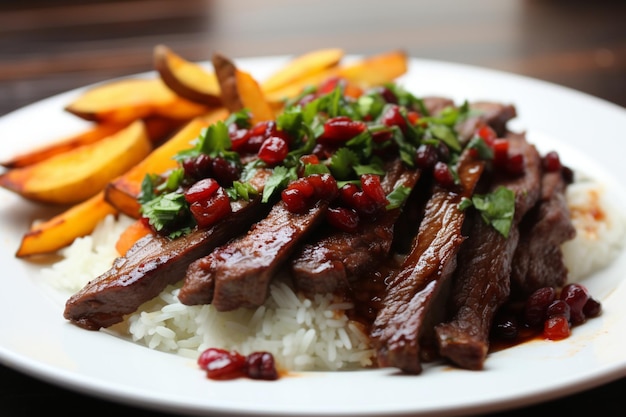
201	190
552	162
443	175
341	129
576	296
260	365
343	218
556	328
537	304
222	364
208	212
273	150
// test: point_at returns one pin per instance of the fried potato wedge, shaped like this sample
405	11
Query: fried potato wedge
239	90
158	129
376	69
363	73
61	230
187	79
135	231
122	192
80	173
90	135
302	67
131	99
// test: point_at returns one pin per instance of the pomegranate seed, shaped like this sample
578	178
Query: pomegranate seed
592	308
201	190
552	162
342	129
576	296
329	85
487	134
556	328
222	364
506	327
558	308
343	218
273	150
261	365
309	159
224	171
198	167
387	95
325	186
393	117
537	304
515	164
426	156
500	152
370	183
294	199
208	212
443	175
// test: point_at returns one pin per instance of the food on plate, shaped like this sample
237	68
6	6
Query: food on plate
239	90
47	237
303	66
134	98
354	225
80	173
187	79
122	192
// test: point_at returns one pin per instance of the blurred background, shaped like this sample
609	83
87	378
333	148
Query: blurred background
50	46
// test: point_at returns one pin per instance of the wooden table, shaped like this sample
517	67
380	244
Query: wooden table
47	47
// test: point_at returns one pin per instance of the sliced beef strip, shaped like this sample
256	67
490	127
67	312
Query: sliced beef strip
238	273
409	309
538	260
496	115
482	280
328	264
152	263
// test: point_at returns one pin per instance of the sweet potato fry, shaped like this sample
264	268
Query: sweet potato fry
91	135
130	235
302	67
122	192
131	99
187	79
376	69
239	90
158	128
61	230
362	73
76	175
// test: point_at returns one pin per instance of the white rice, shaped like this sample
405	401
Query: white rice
302	334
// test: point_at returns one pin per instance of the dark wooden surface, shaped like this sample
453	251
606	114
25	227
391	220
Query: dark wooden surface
50	46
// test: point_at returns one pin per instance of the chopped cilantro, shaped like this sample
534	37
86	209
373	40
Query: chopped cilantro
279	179
496	208
398	196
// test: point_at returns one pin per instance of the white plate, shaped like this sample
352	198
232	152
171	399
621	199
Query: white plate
35	339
